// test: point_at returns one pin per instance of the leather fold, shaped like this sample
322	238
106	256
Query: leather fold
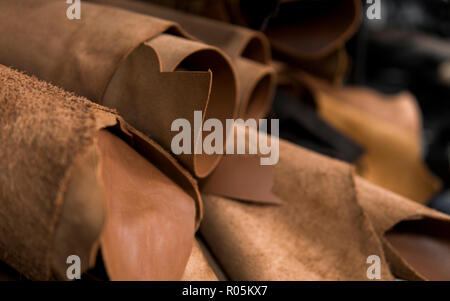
311	36
75	179
311	29
416	239
102	57
319	232
202	265
248	49
393	156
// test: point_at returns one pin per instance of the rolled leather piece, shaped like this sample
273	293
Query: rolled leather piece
307	29
317	232
241	12
311	35
416	239
331	68
77	178
393	153
150	221
119	58
249	50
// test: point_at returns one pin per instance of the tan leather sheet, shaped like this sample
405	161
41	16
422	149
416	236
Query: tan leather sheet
68	187
249	50
389	129
318	232
327	225
135	63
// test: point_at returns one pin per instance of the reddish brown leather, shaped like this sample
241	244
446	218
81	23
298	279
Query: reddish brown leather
325	26
416	239
319	232
120	59
249	50
53	185
150	221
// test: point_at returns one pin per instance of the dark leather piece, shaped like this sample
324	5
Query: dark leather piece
300	124
425	245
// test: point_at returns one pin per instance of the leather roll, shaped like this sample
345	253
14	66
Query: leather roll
249	50
241	12
76	179
308	29
120	59
311	35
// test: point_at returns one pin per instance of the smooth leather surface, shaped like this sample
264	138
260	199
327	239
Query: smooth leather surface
416	239
99	57
424	245
150	221
249	50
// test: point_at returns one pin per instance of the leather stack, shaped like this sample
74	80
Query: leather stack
87	167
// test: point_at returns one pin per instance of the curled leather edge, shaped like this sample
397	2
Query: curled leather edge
249	50
242	177
145	147
332	45
101	71
158	156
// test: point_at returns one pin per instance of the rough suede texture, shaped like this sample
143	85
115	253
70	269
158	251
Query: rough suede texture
249	50
386	210
35	159
201	265
319	232
101	57
45	131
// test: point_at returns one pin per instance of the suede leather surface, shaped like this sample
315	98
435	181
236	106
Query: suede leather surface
62	52
290	242
54	180
361	218
249	50
202	266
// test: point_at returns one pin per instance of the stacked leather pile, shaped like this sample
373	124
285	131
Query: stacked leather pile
87	168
